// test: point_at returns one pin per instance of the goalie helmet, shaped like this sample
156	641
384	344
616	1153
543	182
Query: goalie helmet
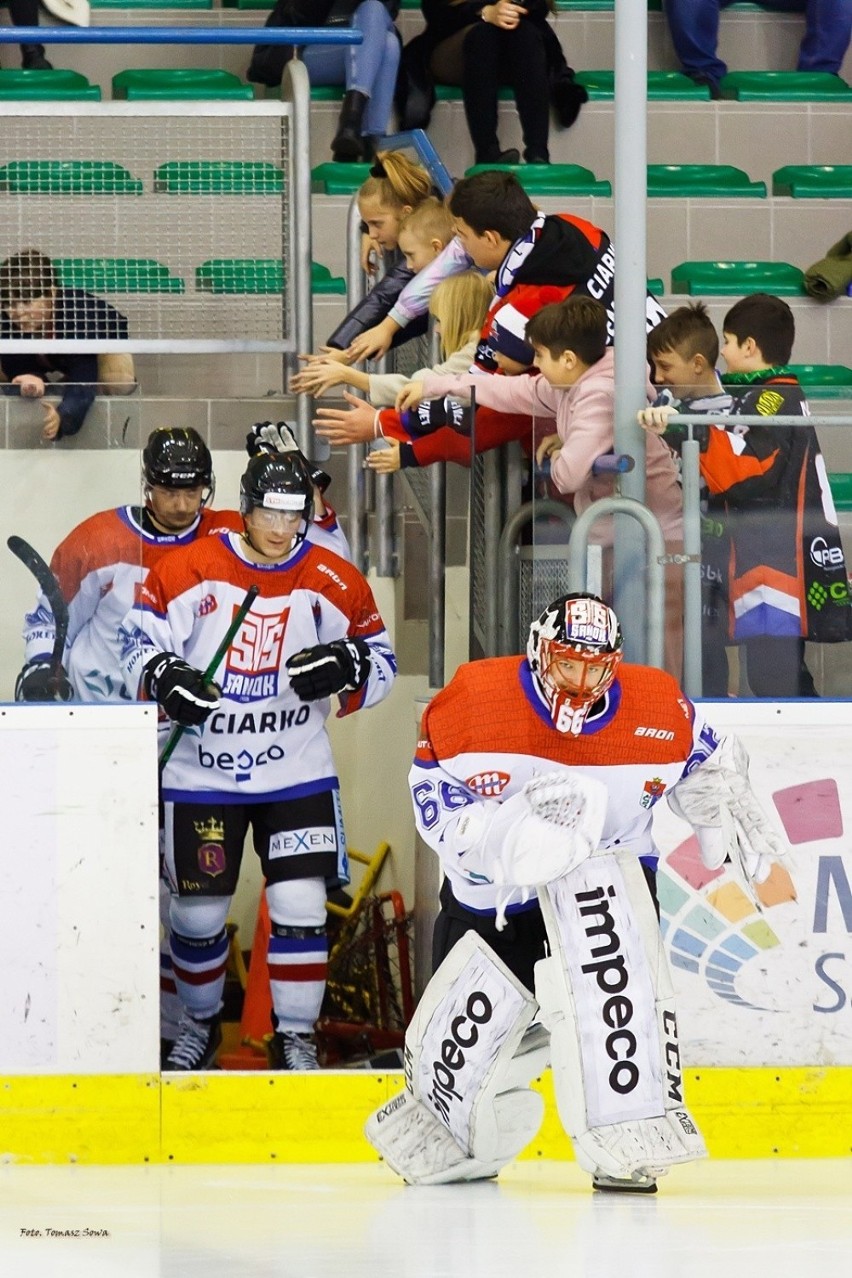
178	458
579	628
278	481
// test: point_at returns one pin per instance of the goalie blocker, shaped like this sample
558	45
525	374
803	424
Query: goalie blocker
474	1046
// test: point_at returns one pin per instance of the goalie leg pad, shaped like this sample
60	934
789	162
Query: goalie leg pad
606	998
468	1058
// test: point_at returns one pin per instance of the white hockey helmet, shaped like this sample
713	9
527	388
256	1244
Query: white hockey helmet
580	628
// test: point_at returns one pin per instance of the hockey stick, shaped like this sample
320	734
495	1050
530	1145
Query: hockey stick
239	617
52	592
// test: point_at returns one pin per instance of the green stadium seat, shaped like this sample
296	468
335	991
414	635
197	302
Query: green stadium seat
68	177
183	82
218	177
255	4
325	92
151	4
814	181
841	490
258	275
785	86
702	180
332	178
552	179
452	93
825	381
737	278
656	286
47	86
117	275
662	86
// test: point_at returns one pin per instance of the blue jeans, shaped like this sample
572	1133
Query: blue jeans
369	67
694	25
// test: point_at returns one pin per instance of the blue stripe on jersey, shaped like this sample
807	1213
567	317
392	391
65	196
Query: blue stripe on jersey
283	565
521	908
189	535
269	796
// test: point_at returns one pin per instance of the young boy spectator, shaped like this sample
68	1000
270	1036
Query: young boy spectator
34	305
499	229
683	350
788	580
575	386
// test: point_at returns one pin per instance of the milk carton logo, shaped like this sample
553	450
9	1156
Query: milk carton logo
253	666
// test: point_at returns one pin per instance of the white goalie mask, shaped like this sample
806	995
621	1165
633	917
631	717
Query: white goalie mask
574	650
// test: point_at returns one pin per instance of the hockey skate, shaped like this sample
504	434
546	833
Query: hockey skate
635	1184
196	1045
289	1050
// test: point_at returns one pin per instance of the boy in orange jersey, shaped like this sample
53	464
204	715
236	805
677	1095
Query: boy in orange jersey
534	781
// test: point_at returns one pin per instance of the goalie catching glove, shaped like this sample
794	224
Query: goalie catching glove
541	833
340	666
38	681
180	689
277	437
729	822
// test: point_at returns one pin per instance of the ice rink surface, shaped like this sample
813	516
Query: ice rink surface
541	1220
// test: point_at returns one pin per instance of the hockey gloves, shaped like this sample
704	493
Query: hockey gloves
180	689
341	666
38	681
277	437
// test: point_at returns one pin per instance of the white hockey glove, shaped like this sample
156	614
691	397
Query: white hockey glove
541	833
730	824
270	437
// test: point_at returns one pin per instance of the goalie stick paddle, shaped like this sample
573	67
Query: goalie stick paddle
52	592
207	675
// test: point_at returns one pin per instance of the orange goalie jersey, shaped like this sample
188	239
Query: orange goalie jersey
489	732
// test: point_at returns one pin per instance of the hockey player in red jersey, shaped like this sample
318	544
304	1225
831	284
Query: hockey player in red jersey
535	781
256	752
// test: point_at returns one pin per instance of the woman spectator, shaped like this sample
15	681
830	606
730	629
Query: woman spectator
481	47
368	70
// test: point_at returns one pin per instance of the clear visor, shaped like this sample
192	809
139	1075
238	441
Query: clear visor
284	520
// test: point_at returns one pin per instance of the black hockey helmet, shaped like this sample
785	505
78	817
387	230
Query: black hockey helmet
278	481
177	457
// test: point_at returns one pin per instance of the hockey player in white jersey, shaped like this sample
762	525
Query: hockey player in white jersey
256	752
101	561
534	781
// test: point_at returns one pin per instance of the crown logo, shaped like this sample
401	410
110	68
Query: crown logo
211	830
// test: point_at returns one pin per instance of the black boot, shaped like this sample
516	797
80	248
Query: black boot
33	59
348	144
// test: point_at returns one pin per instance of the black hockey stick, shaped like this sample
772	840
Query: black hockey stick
52	592
239	617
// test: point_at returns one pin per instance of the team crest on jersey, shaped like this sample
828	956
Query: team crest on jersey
489	784
653	790
211	853
208	604
768	403
253	664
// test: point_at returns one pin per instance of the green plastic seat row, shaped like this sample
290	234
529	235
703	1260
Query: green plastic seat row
259	275
179	83
841	490
785	86
814	181
824	381
217	275
46	86
737	278
178	177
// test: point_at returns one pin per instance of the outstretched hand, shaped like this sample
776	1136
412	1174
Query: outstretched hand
655	420
353	425
385	460
373	343
410	396
318	377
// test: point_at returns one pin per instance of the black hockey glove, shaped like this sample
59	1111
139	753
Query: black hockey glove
180	689
277	437
341	666
37	682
